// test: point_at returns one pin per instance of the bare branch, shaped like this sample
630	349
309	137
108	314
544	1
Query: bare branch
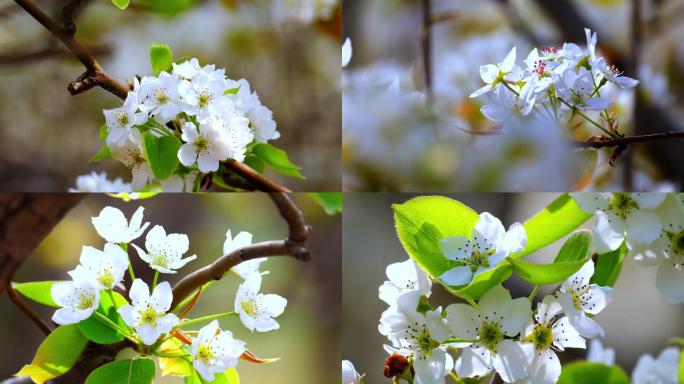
629	140
256	179
294	246
50	51
28	311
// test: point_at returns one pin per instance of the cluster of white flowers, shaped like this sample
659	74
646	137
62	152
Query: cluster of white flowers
101	272
648	370
500	334
215	117
555	80
98	182
652	227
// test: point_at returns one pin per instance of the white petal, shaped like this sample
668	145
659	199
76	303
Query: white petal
596	299
517	313
162	297
609	233
488	232
187	154
167	322
545	369
128	315
474	362
578	280
495	112
462	319
457	276
455	247
487	88
431	370
60	291
346	52
274	304
515	239
547	310
148	333
625	82
142	254
489	73
207	163
110	225
510	361
670	281
642	227
566	336
139	292
591	202
65	316
508	63
436	325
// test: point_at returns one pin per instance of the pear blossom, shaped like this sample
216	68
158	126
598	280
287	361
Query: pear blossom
159	96
206	146
662	370
215	350
78	299
489	244
98	182
599	354
129	152
550	332
493	74
121	120
112	225
180	182
257	311
404	276
165	252
496	318
576	88
622	216
242	239
667	251
106	267
203	93
187	69
506	104
600	66
579	297
349	374
235	130
417	335
260	117
147	313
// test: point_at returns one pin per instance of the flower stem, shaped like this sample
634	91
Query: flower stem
458	340
205	318
534	293
108	322
510	88
124	246
589	119
154	281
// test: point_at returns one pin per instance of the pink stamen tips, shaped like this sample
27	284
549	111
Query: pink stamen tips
539	67
550	50
614	71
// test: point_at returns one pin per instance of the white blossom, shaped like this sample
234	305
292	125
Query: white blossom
106	267
165	252
599	354
204	145
147	313
215	350
78	300
349	374
112	225
98	182
258	311
159	96
129	152
662	370
493	74
242	239
121	120
403	276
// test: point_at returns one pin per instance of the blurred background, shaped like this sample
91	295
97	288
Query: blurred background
637	320
308	340
287	49
393	141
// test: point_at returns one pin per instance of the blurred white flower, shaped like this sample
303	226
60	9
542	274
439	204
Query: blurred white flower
349	374
598	354
346	52
98	182
246	268
662	370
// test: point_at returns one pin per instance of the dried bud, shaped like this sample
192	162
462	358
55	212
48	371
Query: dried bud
395	365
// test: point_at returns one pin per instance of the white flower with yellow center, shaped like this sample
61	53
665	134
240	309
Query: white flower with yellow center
246	268
403	276
578	298
121	120
203	94
204	145
164	253
129	152
257	310
113	226
78	298
549	333
147	313
106	267
214	351
159	96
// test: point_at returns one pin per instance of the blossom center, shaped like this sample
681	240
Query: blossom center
205	353
490	335
149	316
161	97
106	278
622	204
201	143
250	307
204	97
122	118
541	337
85	301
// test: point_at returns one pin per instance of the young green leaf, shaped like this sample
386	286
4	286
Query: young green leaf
161	58
102	154
121	4
586	372
556	220
277	159
608	266
681	368
104	131
162	154
423	221
576	247
56	355
545	274
136	371
330	201
37	291
95	330
255	162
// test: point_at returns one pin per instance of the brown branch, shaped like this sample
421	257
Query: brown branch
28	311
94	75
294	246
256	179
426	43
22	57
622	141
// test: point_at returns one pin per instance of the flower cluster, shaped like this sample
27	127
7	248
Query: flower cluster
650	225
498	334
556	81
215	117
148	318
663	369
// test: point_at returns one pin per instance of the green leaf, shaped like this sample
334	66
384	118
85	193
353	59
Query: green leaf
161	58
104	131
586	372
102	154
576	247
277	159
545	274
121	4
681	369
136	371
228	377
56	355
608	266
98	332
232	91
162	154
423	221
255	162
330	201
557	220
37	291
169	8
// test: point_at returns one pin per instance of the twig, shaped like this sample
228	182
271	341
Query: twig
94	75
294	246
426	43
28	311
69	11
629	140
255	178
22	57
633	70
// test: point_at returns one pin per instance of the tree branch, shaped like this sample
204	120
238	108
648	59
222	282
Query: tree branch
426	43
27	56
255	178
294	246
629	140
28	311
94	75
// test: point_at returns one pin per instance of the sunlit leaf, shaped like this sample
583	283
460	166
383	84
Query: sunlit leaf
56	355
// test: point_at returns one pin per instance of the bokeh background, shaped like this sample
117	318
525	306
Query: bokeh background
392	141
288	50
637	320
308	340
